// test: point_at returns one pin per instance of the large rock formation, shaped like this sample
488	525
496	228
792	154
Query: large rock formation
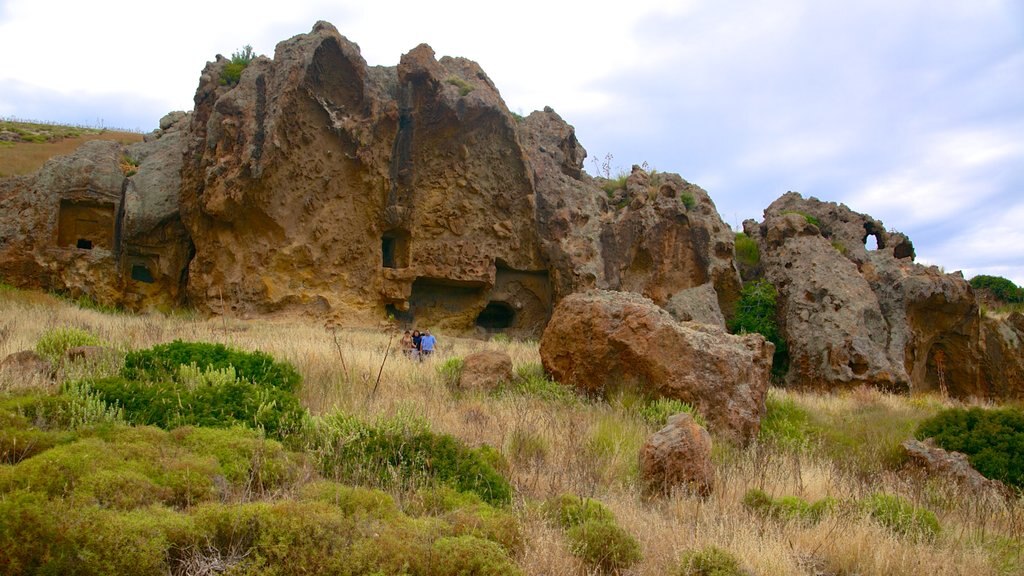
600	341
102	221
321	185
853	315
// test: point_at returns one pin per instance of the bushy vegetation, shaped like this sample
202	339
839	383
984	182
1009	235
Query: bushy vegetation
709	561
404	450
240	60
810	219
54	343
594	535
902	517
464	87
203	384
450	371
756	312
688	200
993	440
787	508
747	252
657	411
1000	287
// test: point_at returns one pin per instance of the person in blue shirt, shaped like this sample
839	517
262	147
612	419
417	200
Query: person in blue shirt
427	343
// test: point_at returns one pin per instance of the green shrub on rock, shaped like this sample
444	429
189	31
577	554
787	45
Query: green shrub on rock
756	312
993	440
53	344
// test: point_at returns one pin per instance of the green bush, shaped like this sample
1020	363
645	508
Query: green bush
464	87
657	411
450	371
993	440
603	544
756	312
810	219
531	380
54	343
1000	287
747	252
688	200
568	510
471	556
785	423
901	516
240	60
709	561
164	361
391	452
787	508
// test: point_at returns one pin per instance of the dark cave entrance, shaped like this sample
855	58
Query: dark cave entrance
142	274
496	316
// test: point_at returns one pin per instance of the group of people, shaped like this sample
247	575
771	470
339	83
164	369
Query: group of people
416	345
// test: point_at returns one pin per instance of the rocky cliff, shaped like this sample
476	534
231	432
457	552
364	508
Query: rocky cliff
318	184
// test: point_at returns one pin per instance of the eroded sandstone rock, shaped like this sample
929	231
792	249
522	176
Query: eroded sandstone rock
855	316
485	370
601	340
678	455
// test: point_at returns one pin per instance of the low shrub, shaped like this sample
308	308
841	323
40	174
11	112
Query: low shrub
604	545
450	371
527	446
531	380
164	361
709	561
1000	287
901	516
688	200
240	60
785	423
465	555
389	452
810	219
568	510
54	343
464	87
657	411
993	440
787	508
747	252
756	312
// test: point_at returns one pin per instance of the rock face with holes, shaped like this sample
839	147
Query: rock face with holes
102	221
600	341
853	315
322	185
677	457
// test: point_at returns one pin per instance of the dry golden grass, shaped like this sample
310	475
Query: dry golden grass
19	158
590	448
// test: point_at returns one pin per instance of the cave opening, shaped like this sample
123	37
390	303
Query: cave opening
394	249
496	316
85	224
84	244
142	274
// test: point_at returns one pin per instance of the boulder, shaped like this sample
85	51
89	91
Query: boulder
678	455
27	365
952	466
600	340
485	370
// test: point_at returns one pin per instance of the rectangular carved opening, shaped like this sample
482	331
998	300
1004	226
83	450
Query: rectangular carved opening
394	248
85	224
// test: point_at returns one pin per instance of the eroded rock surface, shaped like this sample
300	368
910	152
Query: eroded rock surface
485	370
678	455
600	341
853	315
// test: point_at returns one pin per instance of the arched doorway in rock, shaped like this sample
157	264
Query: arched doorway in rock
496	316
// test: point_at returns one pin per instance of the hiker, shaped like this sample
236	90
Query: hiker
427	343
417	339
406	344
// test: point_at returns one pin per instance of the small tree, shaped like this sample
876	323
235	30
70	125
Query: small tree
756	312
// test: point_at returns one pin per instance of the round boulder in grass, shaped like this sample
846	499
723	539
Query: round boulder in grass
485	370
678	455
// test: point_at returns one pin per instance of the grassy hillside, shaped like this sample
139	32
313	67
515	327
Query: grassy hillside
192	499
25	147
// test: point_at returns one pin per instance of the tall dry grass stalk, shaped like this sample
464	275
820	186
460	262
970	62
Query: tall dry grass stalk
589	447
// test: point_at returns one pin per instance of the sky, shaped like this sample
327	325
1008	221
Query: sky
911	111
